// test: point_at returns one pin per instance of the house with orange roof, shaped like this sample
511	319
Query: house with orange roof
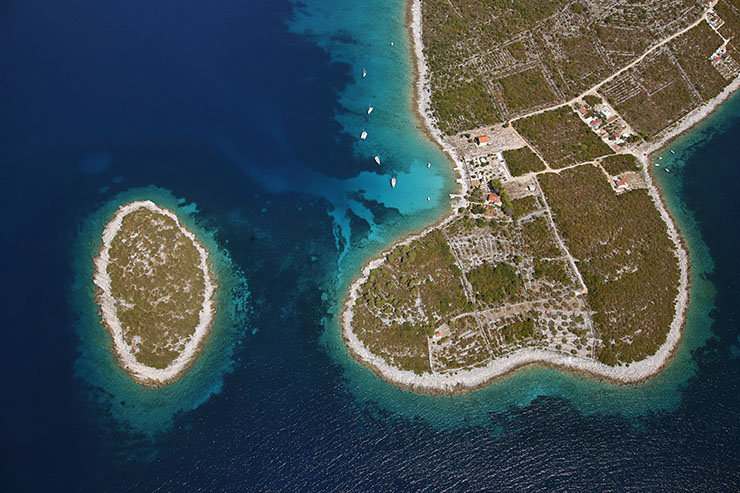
494	198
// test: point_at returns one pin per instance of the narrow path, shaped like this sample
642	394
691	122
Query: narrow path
469	294
561	243
625	68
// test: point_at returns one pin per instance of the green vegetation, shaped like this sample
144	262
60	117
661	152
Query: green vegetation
537	239
491	61
158	286
522	161
505	200
463	105
729	11
495	284
519	330
525	205
652	95
576	68
692	51
592	100
387	319
517	50
467	348
625	256
561	137
525	90
619	163
522	54
394	317
553	270
670	82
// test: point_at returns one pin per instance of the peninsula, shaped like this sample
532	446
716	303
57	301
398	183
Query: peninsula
155	292
559	249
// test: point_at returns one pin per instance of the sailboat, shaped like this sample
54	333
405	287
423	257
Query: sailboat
429	165
363	135
377	159
370	110
364	73
393	182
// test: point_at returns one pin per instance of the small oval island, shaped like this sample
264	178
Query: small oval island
155	292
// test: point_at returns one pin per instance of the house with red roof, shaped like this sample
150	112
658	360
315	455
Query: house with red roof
481	140
494	198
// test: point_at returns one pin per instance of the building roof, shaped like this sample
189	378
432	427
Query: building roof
494	198
482	139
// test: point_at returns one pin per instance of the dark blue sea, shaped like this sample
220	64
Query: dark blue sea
245	116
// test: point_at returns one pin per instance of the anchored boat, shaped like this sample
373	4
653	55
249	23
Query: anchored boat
393	182
370	110
377	159
363	135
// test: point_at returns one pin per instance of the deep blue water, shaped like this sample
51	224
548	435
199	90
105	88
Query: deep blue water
250	111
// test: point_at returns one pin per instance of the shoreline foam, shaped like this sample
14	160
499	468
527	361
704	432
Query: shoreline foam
141	373
468	379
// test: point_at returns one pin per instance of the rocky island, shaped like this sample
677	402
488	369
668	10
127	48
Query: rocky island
559	250
155	292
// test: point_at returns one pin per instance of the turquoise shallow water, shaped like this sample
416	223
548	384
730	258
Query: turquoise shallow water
141	409
334	21
252	111
360	36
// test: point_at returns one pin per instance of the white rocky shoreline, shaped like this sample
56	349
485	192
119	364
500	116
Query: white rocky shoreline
123	352
466	379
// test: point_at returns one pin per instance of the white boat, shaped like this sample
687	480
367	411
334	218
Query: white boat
370	110
364	73
363	135
667	170
429	198
393	182
391	43
656	164
429	165
672	151
660	157
377	159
